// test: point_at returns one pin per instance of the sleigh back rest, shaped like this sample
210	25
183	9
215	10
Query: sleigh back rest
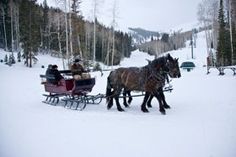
84	84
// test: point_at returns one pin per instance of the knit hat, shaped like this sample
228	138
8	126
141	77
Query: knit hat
54	66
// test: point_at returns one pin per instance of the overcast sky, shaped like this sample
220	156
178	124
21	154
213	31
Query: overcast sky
156	15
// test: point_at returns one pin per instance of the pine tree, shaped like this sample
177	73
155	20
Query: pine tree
19	56
6	58
6	30
3	33
29	29
45	27
12	59
227	48
223	49
234	44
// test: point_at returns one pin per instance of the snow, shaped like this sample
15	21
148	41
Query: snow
200	123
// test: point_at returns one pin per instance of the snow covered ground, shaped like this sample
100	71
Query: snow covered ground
200	123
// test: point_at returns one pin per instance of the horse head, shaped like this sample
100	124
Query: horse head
173	66
159	65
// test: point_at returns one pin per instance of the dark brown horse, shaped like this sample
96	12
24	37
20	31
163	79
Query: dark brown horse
175	69
160	91
149	100
148	79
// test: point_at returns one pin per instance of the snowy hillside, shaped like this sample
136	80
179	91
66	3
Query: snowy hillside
200	123
140	35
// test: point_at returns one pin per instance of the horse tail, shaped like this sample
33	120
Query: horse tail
108	89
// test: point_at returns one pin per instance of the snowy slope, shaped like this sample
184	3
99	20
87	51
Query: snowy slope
200	123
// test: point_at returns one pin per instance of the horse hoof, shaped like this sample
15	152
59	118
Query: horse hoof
129	101
120	109
109	107
149	106
126	105
166	106
163	112
145	110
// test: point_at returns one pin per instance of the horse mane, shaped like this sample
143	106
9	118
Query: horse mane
159	61
162	60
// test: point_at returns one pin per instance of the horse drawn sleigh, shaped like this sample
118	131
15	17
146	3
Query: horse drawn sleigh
150	80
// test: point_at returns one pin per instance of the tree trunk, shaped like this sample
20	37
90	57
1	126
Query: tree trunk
67	46
4	28
70	31
59	41
80	52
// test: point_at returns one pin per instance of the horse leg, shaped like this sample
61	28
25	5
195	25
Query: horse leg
110	103
143	106
149	101
110	100
109	93
165	105
124	98
116	97
161	107
130	97
119	108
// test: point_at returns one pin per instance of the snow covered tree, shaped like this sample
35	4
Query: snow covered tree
6	58
12	59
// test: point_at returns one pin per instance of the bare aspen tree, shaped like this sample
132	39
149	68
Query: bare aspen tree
18	30
203	19
230	28
96	4
76	20
108	48
70	29
95	9
114	16
80	51
14	13
12	26
233	26
67	38
16	26
87	37
103	43
62	2
207	15
59	40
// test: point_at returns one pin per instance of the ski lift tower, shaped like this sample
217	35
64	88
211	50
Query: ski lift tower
191	43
